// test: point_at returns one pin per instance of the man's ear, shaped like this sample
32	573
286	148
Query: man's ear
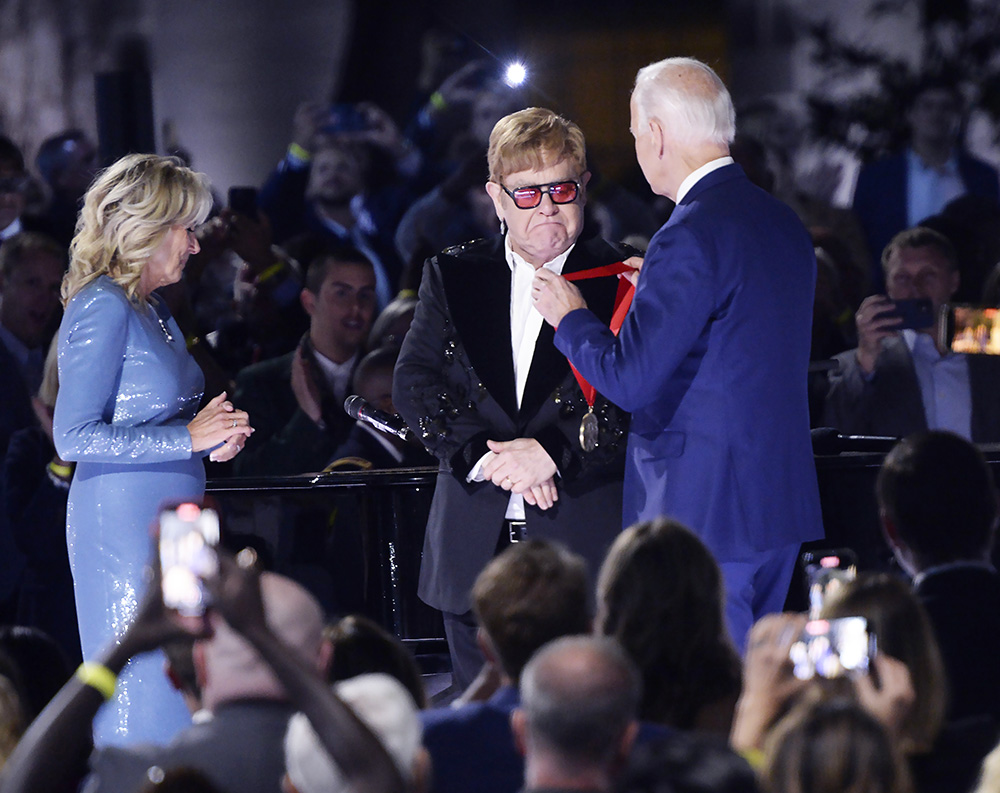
626	742
955	278
519	729
584	180
903	552
486	647
175	680
659	136
422	769
308	300
324	659
889	530
496	193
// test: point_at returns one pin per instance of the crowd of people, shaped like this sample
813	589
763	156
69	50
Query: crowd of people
641	690
559	404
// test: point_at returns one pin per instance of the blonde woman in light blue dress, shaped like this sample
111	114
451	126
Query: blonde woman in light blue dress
127	414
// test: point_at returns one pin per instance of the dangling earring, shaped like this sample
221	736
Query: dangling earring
503	227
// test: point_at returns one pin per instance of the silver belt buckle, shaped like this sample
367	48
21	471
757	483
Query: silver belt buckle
517	530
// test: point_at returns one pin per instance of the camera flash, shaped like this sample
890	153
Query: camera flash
516	74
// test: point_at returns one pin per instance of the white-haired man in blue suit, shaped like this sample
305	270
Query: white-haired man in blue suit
712	357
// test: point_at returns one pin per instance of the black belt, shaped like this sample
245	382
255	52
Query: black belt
516	530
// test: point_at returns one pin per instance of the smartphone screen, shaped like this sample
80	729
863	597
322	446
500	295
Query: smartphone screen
345	117
832	648
244	201
969	329
826	572
189	535
917	314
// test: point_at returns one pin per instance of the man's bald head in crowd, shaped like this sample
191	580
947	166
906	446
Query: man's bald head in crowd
230	668
579	699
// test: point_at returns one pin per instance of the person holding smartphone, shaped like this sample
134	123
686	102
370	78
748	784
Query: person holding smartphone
896	381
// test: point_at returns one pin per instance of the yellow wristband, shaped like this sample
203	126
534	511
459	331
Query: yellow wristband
98	677
754	757
437	101
270	272
62	471
298	152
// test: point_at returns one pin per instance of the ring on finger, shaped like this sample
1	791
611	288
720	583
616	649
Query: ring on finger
235	422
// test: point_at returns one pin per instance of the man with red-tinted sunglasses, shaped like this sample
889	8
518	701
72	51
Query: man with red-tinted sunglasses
524	449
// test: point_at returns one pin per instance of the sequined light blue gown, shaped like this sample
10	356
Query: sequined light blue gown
128	387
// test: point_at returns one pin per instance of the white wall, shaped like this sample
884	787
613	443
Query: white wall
229	74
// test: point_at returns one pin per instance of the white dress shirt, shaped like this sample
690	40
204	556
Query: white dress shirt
338	375
700	173
525	324
929	188
944	385
11	230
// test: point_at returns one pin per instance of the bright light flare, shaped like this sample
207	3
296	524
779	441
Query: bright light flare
515	75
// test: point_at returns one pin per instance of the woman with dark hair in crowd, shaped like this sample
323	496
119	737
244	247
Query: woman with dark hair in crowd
660	595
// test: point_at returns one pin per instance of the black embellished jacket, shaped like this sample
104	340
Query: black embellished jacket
454	385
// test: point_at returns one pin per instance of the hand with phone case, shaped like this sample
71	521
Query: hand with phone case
188	537
770	682
768	679
67	731
878	317
888	694
875	321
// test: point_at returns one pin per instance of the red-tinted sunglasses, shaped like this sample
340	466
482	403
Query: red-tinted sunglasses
531	196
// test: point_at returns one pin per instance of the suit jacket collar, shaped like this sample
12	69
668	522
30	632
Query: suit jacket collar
984	382
477	286
718	176
506	698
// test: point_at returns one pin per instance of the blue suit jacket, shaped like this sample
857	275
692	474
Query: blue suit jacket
472	747
712	361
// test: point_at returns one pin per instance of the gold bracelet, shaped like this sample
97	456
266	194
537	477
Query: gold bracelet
98	677
299	153
62	471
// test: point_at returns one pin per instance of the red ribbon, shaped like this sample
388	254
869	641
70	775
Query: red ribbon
623	299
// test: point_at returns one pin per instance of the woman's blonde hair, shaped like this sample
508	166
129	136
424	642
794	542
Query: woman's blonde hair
903	630
831	744
126	213
49	388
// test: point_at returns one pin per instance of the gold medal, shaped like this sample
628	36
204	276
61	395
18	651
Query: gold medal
589	431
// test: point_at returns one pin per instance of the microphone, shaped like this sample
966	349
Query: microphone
828	441
357	408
